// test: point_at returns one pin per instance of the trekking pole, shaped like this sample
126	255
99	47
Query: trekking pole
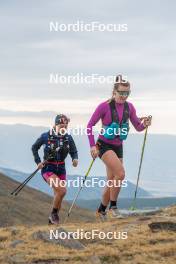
22	185
133	207
69	211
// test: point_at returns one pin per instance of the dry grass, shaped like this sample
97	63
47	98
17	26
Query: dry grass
141	247
22	210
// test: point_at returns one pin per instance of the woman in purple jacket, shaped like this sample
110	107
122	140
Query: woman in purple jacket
115	115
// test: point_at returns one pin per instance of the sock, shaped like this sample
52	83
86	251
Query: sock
113	204
102	208
55	211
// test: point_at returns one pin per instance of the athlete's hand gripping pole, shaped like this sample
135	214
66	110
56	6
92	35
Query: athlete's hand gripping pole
22	185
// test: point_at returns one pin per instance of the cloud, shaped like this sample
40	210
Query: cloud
80	112
29	53
8	113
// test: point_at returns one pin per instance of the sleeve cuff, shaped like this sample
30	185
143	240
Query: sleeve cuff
38	161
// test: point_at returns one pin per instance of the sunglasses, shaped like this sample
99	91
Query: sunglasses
63	121
124	93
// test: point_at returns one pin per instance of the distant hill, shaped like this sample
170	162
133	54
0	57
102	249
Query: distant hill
31	207
157	175
86	193
126	203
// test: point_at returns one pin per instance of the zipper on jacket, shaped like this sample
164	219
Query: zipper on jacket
57	155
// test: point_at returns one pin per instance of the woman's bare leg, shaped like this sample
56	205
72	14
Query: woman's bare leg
59	190
115	190
106	192
116	173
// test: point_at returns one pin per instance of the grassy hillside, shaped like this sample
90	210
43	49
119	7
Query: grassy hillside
30	206
18	245
26	244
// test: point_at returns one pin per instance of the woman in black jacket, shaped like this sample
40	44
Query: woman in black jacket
57	145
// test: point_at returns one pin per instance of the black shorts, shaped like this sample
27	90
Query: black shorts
103	147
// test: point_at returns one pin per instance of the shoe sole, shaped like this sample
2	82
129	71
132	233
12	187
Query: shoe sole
98	217
115	217
52	223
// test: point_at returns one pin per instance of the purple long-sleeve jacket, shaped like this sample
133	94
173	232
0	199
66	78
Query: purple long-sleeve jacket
103	112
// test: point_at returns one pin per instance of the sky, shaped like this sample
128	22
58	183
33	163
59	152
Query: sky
29	53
